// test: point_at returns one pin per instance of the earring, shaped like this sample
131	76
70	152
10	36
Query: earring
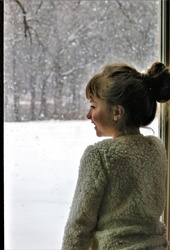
115	118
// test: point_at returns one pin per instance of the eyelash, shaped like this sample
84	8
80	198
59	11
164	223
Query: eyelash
92	106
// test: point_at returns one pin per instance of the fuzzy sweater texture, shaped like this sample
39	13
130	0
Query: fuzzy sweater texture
119	197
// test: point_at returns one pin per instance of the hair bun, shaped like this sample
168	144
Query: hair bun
159	75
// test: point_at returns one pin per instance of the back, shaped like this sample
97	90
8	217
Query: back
133	201
119	196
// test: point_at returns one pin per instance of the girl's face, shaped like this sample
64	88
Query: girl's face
100	117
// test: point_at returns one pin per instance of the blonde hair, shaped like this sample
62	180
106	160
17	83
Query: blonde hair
121	84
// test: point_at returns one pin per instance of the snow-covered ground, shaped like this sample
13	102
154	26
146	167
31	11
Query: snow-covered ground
41	161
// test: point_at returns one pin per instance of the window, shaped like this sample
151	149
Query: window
51	50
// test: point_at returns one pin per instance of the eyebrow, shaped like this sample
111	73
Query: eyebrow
92	99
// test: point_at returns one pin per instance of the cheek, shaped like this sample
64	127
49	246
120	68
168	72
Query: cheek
102	119
97	117
107	120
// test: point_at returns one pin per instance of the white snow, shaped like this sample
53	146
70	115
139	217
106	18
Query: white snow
41	161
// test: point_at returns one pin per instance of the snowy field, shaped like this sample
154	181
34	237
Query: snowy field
41	161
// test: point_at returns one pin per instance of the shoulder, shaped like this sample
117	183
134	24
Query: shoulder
94	150
124	144
101	145
155	139
105	147
157	144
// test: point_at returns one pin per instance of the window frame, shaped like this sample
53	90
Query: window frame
164	122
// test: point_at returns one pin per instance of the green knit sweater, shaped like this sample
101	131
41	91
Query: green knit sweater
119	197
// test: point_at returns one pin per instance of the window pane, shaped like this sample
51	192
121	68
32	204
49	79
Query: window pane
51	50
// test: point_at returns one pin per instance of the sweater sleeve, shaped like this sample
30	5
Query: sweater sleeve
86	202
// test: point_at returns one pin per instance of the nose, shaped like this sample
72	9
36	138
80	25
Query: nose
88	116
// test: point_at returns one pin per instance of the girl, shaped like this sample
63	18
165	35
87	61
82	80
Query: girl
120	192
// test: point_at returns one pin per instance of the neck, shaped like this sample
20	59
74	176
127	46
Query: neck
128	131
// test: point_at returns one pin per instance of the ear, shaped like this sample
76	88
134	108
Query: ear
118	112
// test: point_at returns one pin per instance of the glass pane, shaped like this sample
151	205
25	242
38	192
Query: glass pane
51	50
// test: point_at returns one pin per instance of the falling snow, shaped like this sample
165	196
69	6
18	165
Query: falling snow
41	162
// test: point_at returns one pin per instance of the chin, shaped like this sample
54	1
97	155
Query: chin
99	134
103	135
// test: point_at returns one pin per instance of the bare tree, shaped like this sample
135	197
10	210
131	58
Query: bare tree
60	44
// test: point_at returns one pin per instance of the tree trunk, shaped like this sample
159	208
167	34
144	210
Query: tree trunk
16	89
43	108
33	95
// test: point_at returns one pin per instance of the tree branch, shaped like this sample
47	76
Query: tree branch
123	10
26	26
